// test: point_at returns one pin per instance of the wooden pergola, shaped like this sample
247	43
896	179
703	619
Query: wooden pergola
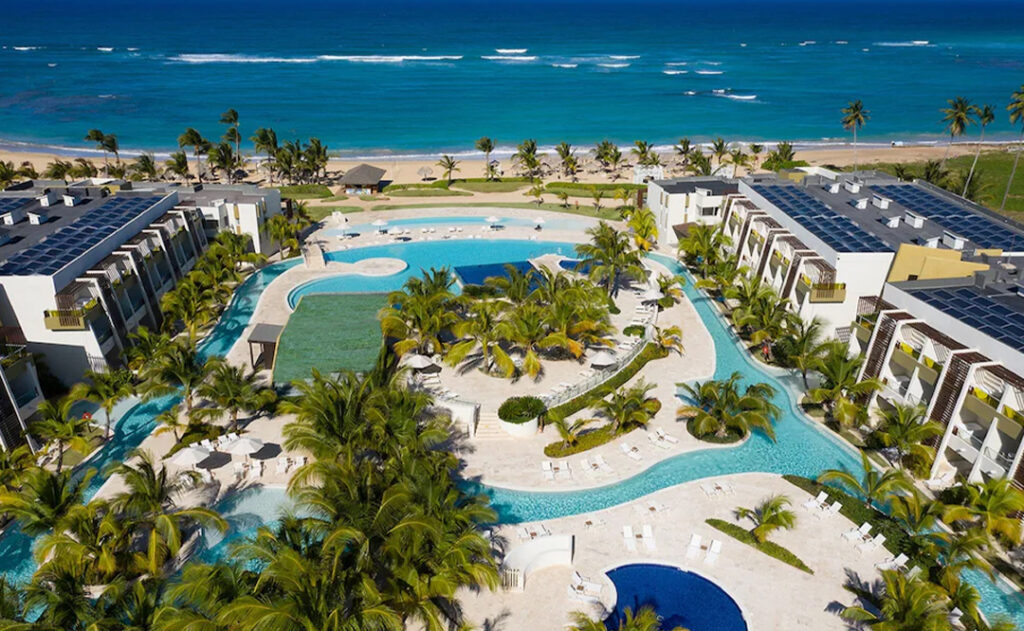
265	336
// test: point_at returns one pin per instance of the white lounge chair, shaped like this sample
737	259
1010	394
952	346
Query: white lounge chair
585	585
588	468
631	452
564	472
602	465
522	533
816	502
709	490
871	544
714	550
666	437
232	436
575	594
693	550
894	563
206	476
648	537
545	465
282	465
829	511
724	487
857	534
629	538
207	444
549	475
239	470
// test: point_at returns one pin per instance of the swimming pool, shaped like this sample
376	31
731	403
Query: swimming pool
681	598
415	223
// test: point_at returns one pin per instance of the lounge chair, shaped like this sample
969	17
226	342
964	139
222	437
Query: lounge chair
522	533
648	537
693	550
233	436
857	534
207	444
545	465
709	490
588	468
631	452
206	476
549	475
714	550
629	538
282	465
564	472
239	470
894	563
576	594
724	487
829	511
666	437
871	544
602	465
583	585
816	502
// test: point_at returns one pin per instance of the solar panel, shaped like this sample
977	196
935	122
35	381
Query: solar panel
983	313
836	230
63	246
7	204
958	218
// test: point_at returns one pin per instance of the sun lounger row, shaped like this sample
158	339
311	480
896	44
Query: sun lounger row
820	507
712	489
220	442
661	439
559	470
646	538
248	470
696	547
284	463
525	533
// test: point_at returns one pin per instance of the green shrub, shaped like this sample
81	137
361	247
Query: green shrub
521	409
731	434
770	548
585	441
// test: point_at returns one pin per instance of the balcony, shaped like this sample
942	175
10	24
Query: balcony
823	292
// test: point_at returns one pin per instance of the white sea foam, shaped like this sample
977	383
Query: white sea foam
675	72
690	93
510	57
678	63
710	72
711	63
623	57
387	59
614	65
808	42
107	96
564	65
743	44
510	51
52	65
24	48
907	44
842	42
218	58
105	49
735	97
132	49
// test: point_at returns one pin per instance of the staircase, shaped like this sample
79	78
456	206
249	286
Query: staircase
488	426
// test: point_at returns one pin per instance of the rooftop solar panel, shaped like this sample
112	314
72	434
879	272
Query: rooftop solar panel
989	316
63	246
836	230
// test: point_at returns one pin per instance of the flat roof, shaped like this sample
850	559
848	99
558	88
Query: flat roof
717	186
264	333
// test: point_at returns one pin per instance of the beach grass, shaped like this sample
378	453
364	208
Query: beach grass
305	191
585	211
993	171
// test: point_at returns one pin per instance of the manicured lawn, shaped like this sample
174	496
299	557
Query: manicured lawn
580	189
506	185
319	213
584	210
305	191
427	192
330	333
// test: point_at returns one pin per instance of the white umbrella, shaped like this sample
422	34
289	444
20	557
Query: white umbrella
380	223
419	362
493	220
603	359
244	446
539	221
190	456
652	294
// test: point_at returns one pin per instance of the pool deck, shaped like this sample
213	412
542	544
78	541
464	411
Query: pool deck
771	594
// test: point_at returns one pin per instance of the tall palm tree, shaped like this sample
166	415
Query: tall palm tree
905	428
873	486
527	157
855	115
178	368
232	391
644	226
449	165
44	499
222	158
568	158
702	247
478	329
230	118
957	116
265	142
55	422
986	116
107	388
1016	110
610	257
192	138
177	166
770	515
145	345
839	390
144	167
720	407
170	421
804	346
58	599
905	603
106	143
994	505
485	145
719	150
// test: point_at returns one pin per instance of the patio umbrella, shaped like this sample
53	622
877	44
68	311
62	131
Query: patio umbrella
493	220
190	456
603	359
244	446
379	224
539	221
419	362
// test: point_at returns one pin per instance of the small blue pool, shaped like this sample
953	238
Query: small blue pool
477	274
681	598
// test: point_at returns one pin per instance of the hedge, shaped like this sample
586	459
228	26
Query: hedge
772	549
519	410
584	442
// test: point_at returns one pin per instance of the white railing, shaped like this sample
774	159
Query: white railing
588	384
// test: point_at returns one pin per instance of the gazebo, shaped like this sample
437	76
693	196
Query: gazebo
264	336
362	180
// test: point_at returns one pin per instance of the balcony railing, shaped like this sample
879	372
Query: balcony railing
827	292
69	319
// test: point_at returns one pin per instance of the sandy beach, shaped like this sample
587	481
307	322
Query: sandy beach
402	171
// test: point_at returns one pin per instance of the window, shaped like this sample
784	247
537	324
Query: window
709	212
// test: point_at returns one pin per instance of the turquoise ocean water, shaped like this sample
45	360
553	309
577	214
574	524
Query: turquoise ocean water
413	76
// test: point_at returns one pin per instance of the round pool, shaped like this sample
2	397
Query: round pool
681	598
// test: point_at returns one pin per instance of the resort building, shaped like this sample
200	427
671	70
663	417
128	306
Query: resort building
81	268
364	179
676	203
20	393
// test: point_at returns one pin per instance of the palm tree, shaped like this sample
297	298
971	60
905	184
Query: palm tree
644	226
875	487
719	407
597	195
684	149
669	338
1016	110
192	138
178	368
170	421
905	603
703	246
144	167
739	158
804	346
568	158
719	149
839	388
265	141
44	499
232	391
486	145
222	158
854	117
58	599
755	154
994	505
630	408
770	515
986	116
569	431
145	345
919	516
610	257
527	157
230	118
177	166
958	116
905	428
449	165
478	327
106	143
107	388
56	422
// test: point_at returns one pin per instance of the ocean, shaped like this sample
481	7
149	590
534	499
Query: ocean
405	77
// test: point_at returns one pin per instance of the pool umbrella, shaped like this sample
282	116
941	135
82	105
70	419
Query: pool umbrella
419	362
244	446
493	220
603	359
380	223
652	294
539	221
190	456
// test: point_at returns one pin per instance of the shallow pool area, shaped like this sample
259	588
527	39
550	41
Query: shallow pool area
466	223
680	598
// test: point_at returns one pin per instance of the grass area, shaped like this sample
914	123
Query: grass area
94	436
305	191
336	198
330	333
427	192
579	189
993	172
586	211
585	442
770	548
505	185
319	213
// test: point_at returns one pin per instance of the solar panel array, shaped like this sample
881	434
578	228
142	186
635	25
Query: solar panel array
838	231
7	204
957	218
70	242
979	311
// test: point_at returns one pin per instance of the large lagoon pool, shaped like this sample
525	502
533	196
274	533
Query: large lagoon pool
467	223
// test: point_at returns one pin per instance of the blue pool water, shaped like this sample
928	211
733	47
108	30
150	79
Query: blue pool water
415	223
477	274
681	599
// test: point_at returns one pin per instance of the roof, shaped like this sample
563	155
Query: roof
717	186
264	333
363	175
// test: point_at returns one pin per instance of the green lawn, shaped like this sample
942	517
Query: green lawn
330	333
993	171
426	192
319	213
506	185
305	191
585	210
